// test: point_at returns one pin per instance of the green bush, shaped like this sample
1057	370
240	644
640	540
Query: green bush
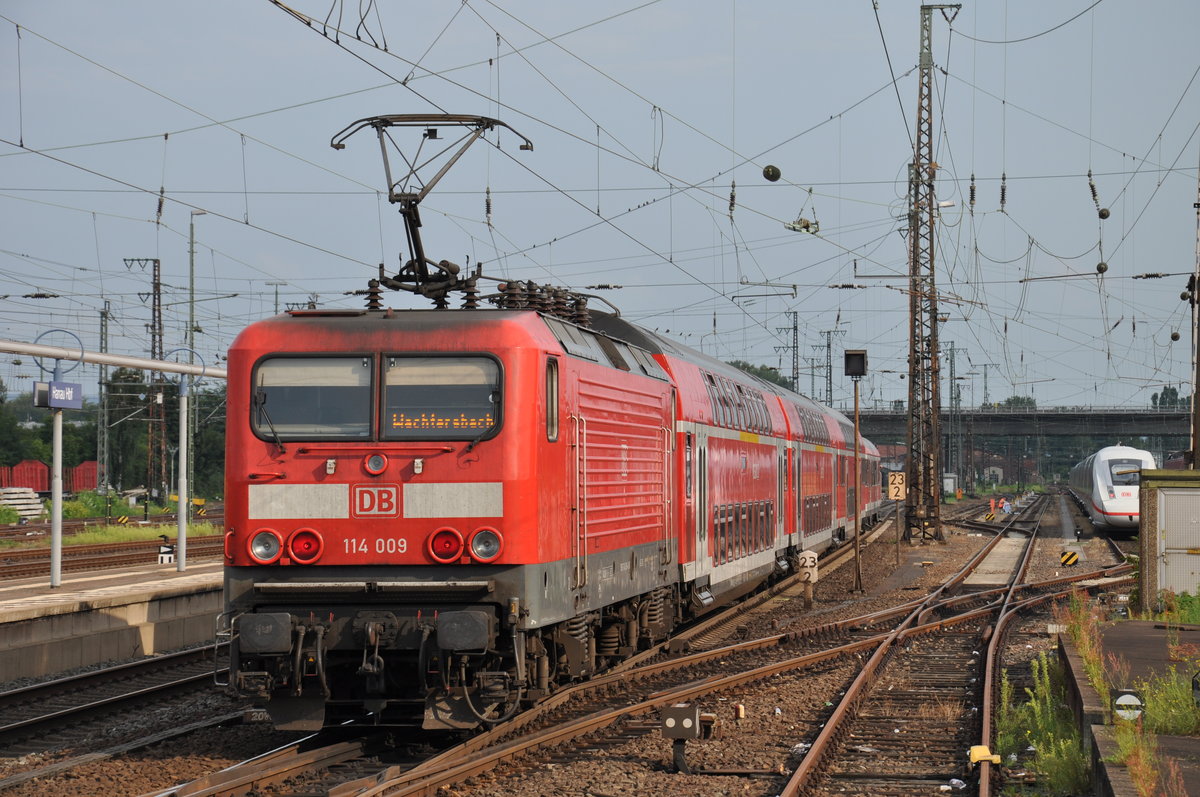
1170	707
74	510
93	501
8	515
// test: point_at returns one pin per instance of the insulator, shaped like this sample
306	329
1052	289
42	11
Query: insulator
487	205
972	201
511	296
471	294
1003	189
581	315
374	300
562	303
537	296
1092	186
608	640
732	197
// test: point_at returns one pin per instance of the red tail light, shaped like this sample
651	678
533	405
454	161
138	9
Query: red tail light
305	546
445	544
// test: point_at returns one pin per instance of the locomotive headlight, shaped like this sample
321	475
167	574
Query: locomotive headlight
375	464
266	546
486	544
305	545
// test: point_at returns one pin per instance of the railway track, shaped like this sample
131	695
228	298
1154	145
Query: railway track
943	632
43	716
27	562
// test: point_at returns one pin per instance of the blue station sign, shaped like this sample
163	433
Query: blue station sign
58	395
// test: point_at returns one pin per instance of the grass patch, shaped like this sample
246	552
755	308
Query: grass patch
1040	732
1169	706
106	534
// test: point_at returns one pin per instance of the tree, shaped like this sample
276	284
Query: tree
127	403
1167	399
209	442
1020	402
763	372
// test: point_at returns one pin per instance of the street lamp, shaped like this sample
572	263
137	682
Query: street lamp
856	369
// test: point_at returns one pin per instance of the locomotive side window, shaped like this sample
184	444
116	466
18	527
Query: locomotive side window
312	398
444	398
552	399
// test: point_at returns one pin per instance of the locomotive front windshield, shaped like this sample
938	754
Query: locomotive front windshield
446	398
1125	471
313	398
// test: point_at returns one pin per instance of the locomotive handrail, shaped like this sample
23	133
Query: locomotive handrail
266	475
312	587
460	584
580	536
669	495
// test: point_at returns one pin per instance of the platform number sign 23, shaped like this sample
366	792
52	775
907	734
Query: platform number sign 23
896	488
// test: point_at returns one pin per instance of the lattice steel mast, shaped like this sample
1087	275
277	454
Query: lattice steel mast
156	428
923	503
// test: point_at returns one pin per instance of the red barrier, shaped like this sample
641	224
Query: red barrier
82	477
36	476
32	474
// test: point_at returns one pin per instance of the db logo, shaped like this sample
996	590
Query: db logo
376	500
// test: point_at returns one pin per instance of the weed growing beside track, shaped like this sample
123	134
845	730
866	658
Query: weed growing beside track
1041	732
1169	706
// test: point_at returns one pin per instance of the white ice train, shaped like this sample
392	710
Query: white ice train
1106	485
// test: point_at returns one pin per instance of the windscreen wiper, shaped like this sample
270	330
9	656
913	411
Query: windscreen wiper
260	404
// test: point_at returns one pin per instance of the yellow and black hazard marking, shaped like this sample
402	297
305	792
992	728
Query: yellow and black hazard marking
990	516
1069	557
123	520
202	511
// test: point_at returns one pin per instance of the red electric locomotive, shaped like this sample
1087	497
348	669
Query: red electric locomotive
434	516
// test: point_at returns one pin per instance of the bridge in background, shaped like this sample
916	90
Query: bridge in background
1117	423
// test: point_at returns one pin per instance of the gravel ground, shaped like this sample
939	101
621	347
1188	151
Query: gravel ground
781	713
154	768
784	713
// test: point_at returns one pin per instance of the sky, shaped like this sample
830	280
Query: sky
651	123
